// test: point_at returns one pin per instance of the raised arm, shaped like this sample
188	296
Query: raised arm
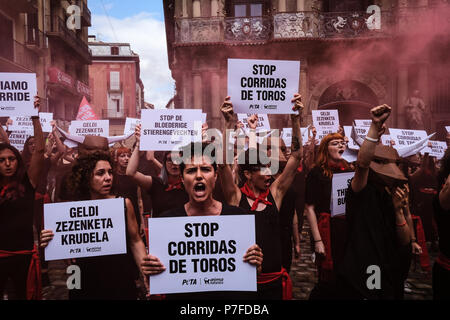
37	159
379	116
144	181
230	190
3	135
280	186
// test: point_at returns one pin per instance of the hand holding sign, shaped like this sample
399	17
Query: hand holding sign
151	266
253	121
298	106
37	103
137	133
254	256
228	113
46	237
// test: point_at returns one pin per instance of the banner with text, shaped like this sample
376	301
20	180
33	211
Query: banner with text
325	121
262	86
405	137
437	149
202	253
17	92
25	122
339	189
130	125
17	138
85	228
167	129
89	128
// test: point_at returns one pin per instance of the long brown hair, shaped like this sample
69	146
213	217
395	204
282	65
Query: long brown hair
323	157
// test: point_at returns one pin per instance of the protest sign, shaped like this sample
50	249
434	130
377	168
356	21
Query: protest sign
17	92
327	121
263	86
203	117
25	123
339	188
448	129
130	125
85	228
202	253
286	135
17	138
363	123
168	129
262	124
89	127
386	140
360	131
437	149
405	137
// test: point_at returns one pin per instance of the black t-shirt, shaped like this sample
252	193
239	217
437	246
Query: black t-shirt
318	190
287	211
372	241
16	219
443	225
163	200
213	295
126	187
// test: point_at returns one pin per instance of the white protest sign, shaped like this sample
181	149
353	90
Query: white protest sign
168	129
202	253
363	123
286	135
25	122
360	131
321	133
339	188
130	125
204	118
17	92
89	127
448	129
17	138
85	228
263	86
437	149
262	124
405	137
326	120
386	140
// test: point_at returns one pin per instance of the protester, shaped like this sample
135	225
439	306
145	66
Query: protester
328	233
199	176
441	204
166	192
265	200
92	179
19	260
379	236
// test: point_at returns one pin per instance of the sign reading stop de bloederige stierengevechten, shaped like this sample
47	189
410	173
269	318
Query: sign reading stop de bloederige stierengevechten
263	86
85	228
17	92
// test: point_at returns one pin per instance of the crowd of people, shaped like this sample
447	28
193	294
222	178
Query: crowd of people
396	210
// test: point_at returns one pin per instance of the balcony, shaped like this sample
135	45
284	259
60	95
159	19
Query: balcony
57	28
35	40
85	14
16	57
288	25
114	114
21	6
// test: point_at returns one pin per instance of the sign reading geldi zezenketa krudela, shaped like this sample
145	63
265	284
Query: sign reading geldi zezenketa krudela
85	228
202	253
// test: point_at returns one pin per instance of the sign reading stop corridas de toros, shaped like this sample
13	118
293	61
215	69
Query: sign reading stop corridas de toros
262	86
202	253
17	92
85	228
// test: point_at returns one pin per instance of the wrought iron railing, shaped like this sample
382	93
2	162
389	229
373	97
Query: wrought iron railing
19	54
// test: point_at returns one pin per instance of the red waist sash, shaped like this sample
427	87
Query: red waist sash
286	280
420	235
443	261
34	285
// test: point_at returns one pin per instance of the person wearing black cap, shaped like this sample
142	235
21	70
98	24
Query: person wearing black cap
378	250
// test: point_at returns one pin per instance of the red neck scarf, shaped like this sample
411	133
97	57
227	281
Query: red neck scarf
300	167
178	185
336	167
261	198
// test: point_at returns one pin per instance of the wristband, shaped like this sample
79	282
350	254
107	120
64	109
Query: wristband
318	240
401	224
34	117
371	139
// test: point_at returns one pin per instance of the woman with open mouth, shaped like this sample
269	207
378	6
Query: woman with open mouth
328	233
199	177
258	195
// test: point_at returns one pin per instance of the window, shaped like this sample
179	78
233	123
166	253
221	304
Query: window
249	8
114	80
6	38
114	51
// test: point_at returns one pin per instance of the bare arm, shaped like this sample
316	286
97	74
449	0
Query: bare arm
231	191
150	156
296	235
399	200
136	244
142	180
3	135
367	150
37	159
311	216
280	186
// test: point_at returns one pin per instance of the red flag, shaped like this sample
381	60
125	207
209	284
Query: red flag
85	112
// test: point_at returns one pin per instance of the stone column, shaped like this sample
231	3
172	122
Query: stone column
402	95
184	9
281	5
422	85
214	8
197	91
197	12
300	5
215	95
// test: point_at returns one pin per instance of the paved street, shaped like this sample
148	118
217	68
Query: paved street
303	274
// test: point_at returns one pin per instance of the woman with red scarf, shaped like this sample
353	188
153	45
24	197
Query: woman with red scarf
18	257
328	233
258	195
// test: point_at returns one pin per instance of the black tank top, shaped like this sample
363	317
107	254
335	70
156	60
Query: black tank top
267	233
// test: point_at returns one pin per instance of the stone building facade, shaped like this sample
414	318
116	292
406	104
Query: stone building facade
353	54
